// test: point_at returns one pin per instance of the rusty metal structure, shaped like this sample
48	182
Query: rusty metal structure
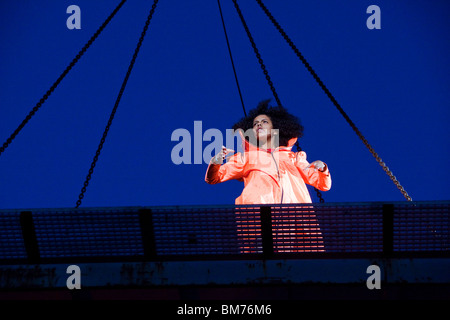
271	252
309	251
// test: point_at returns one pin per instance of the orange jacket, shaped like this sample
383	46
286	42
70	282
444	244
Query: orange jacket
275	177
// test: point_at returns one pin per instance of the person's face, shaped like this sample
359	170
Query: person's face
262	126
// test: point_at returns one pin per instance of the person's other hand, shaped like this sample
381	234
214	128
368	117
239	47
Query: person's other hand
319	165
220	157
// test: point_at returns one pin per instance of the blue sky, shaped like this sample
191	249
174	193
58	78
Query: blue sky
392	82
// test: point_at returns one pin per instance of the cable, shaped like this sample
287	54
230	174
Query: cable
328	93
111	117
258	56
266	73
61	77
231	58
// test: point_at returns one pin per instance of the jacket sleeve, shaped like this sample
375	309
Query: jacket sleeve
232	169
311	175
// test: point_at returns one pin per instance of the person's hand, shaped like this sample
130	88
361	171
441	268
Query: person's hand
220	157
319	165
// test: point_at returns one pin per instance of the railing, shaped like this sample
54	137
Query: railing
223	232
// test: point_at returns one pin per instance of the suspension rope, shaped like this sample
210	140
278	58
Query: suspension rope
111	117
328	93
263	67
266	73
61	77
231	58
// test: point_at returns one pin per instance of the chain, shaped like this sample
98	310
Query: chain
61	77
231	58
102	141
328	93
319	195
266	73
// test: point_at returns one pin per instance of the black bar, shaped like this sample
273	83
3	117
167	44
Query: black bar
147	233
266	231
29	236
388	229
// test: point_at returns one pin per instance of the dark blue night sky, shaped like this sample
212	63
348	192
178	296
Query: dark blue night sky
392	82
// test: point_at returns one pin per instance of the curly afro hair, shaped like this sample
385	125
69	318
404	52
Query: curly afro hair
289	126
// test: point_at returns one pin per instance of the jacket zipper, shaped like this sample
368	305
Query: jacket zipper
278	173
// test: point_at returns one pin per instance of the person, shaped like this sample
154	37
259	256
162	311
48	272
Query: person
273	174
